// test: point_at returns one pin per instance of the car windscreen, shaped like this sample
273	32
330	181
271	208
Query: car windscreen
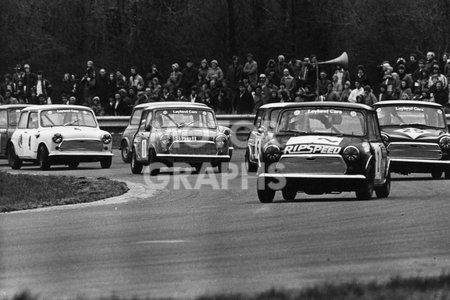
136	116
404	115
184	118
13	116
67	117
330	121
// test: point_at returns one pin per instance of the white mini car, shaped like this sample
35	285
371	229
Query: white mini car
59	135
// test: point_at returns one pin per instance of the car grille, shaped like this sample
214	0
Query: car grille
313	164
415	151
81	145
201	148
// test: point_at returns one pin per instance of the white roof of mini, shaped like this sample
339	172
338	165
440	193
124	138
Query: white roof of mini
55	106
170	104
407	102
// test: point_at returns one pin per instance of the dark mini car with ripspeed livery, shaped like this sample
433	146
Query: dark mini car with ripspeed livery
324	147
9	115
180	132
416	136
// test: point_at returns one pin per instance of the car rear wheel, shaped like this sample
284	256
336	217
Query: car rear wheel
14	161
136	167
289	193
73	165
154	170
197	167
436	174
223	167
125	152
265	193
366	191
447	175
384	190
251	167
44	160
106	162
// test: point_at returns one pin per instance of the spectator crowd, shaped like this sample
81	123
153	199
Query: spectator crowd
241	87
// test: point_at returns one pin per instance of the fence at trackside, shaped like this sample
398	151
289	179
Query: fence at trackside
240	124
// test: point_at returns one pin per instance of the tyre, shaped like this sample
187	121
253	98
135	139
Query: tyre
384	190
289	193
447	175
125	152
251	167
14	161
136	167
73	165
106	162
366	191
265	193
44	160
154	170
436	174
197	168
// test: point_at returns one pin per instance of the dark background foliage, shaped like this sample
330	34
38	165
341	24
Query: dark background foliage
59	36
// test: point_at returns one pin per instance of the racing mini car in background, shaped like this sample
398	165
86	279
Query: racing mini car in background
324	147
416	135
9	115
59	135
172	132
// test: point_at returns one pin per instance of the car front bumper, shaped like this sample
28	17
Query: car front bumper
407	165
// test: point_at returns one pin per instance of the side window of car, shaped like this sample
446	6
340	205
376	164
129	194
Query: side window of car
143	120
23	120
3	118
374	132
33	121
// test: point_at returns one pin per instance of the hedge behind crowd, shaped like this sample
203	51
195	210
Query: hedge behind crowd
60	36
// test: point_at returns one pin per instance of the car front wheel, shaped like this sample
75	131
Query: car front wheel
366	191
265	193
14	161
106	162
136	167
44	160
251	167
436	175
384	190
125	152
289	193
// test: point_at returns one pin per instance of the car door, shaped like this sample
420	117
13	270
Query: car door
30	136
379	149
141	138
3	130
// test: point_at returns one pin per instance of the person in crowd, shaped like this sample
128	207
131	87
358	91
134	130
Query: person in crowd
29	79
119	108
405	92
273	97
436	73
154	73
361	75
330	95
112	85
206	98
166	94
342	75
250	69
223	103
88	83
281	65
244	101
215	72
355	93
19	92
322	83
43	100
389	81
190	76
72	100
43	87
446	70
417	95
234	73
18	74
141	98
175	77
97	106
7	85
271	66
412	64
443	61
214	89
403	75
345	94
156	93
288	81
193	96
68	85
368	97
420	68
337	86
305	94
121	80
33	98
283	93
294	66
135	79
203	68
180	95
101	86
430	61
130	98
9	99
384	95
439	94
257	98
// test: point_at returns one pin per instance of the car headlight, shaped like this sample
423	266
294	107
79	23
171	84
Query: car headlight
57	138
221	141
386	139
351	153
106	138
444	143
272	153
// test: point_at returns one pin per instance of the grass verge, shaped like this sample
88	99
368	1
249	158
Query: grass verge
19	192
417	288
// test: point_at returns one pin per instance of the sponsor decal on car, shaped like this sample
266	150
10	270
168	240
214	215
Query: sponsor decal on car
311	149
184	138
408	108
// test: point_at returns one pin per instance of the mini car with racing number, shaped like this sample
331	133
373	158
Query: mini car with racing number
416	135
9	115
324	147
180	132
59	135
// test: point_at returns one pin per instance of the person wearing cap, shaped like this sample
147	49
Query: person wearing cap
430	61
135	79
436	73
215	72
250	69
189	77
234	73
345	94
322	83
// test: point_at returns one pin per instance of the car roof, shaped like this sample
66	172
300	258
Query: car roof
323	104
174	104
278	105
407	102
6	106
169	104
55	106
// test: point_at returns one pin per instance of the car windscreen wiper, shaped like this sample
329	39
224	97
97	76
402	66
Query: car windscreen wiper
293	131
71	122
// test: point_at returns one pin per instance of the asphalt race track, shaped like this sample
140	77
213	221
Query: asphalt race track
186	242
